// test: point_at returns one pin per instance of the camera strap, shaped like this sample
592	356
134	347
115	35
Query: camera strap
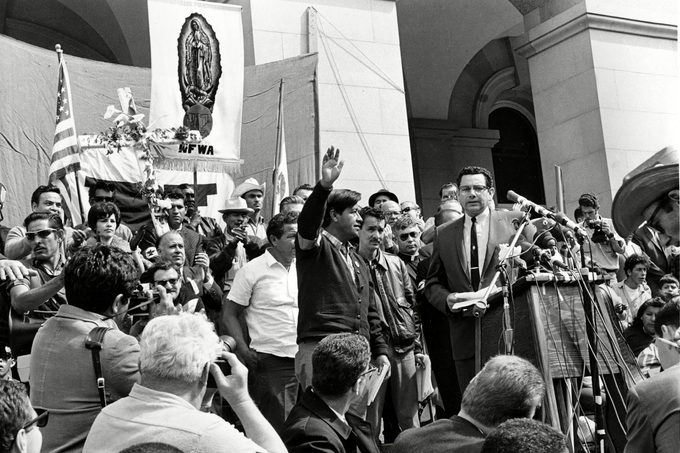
94	343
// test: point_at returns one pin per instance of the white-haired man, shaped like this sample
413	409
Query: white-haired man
177	355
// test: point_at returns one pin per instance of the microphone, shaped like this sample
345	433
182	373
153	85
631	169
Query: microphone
563	220
516	198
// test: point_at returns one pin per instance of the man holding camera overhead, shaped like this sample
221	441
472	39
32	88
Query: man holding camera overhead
603	246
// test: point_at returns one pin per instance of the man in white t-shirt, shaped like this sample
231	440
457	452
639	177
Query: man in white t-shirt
265	292
633	291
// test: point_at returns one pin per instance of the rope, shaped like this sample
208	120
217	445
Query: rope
366	62
350	109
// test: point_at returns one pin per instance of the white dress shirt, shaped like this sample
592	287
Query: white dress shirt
270	294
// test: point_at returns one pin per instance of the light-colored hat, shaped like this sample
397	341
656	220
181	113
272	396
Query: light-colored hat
651	180
236	204
248	185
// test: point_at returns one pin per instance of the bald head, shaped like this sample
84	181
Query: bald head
171	248
448	211
391	210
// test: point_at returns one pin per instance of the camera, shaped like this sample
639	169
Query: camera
598	236
227	344
140	295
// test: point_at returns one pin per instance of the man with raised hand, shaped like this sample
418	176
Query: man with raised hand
334	283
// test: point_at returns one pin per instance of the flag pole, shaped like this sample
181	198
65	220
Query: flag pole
60	56
278	144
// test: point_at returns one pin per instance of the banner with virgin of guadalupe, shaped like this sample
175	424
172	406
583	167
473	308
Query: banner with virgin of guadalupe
197	82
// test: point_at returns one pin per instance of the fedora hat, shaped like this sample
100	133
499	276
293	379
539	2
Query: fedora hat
385	192
651	180
236	204
248	185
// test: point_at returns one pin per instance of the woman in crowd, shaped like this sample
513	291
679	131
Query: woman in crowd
103	219
641	332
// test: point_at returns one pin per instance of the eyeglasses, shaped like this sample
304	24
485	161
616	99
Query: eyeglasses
172	281
42	234
371	369
103	199
668	342
412	234
409	209
476	189
40	420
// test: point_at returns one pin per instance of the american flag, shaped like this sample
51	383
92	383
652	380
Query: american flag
65	162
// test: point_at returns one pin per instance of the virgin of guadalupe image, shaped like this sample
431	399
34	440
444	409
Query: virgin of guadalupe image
198	61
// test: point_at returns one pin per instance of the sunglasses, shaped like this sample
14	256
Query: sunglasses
409	209
172	281
103	199
40	420
412	234
42	234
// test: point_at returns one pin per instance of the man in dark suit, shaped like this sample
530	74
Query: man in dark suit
507	387
653	418
464	262
320	421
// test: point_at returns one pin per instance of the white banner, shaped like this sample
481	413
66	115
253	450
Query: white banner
126	169
197	74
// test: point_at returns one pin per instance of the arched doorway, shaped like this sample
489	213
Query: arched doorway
516	157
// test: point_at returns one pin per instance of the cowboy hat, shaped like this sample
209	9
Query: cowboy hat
385	192
248	185
650	181
236	204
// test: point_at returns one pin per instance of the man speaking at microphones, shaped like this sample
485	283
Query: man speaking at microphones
464	261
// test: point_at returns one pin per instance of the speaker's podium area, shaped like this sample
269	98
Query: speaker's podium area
549	318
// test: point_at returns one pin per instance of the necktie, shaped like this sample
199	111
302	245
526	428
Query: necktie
474	256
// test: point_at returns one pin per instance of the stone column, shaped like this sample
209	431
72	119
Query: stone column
604	79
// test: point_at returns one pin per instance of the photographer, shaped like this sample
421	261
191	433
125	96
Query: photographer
98	283
230	251
177	356
603	247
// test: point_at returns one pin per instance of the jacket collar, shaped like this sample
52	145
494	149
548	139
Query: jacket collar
318	407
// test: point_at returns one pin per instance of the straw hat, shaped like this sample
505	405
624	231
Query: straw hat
651	180
248	185
236	204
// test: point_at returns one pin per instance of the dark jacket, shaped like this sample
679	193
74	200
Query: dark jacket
221	253
313	427
450	435
332	299
401	325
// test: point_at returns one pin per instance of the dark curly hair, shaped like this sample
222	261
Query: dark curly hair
475	171
96	275
589	200
337	363
15	411
524	435
102	211
278	222
634	260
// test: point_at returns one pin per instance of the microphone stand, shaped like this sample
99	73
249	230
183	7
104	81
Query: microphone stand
591	332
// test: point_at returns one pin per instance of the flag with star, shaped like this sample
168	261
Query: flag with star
65	161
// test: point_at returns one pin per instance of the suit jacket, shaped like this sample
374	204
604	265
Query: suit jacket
449	273
660	262
313	427
449	435
653	418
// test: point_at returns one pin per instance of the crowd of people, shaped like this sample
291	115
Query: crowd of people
307	331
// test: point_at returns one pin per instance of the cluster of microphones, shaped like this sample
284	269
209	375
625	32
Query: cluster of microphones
544	249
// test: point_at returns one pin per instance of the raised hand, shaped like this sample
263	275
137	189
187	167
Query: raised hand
331	168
